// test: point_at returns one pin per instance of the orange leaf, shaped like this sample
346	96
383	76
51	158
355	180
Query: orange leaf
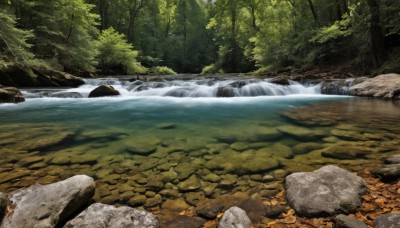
289	220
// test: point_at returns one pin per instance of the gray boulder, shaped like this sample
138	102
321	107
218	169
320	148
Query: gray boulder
48	205
387	221
3	205
326	191
343	221
389	172
103	216
104	91
385	86
235	217
10	95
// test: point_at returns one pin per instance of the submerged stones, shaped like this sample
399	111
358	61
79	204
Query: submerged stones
300	133
326	191
101	215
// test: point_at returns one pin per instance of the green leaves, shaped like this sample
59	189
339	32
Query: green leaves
114	51
14	49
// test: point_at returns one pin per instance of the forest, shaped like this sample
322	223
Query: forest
88	37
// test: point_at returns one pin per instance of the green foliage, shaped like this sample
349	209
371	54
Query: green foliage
14	48
115	51
65	31
210	69
162	70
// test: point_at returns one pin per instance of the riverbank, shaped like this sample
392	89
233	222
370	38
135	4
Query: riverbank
67	203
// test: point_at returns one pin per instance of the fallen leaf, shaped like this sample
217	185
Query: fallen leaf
289	220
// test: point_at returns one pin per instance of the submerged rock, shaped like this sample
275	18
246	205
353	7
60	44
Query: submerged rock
326	191
385	86
103	216
297	132
10	95
344	151
387	221
48	205
104	91
235	217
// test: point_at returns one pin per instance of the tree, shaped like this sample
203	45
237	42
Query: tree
14	48
376	33
116	55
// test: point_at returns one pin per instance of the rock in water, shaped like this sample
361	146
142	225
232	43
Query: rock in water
103	216
225	92
3	205
10	95
235	217
385	86
48	205
387	221
343	221
326	191
389	172
104	91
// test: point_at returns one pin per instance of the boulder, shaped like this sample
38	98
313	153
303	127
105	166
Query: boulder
324	192
394	159
235	217
343	221
389	172
10	95
225	92
103	216
387	221
48	205
182	221
280	80
385	86
104	91
3	205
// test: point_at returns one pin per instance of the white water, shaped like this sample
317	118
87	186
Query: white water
179	88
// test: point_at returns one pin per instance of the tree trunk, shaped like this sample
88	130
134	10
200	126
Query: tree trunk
313	11
376	32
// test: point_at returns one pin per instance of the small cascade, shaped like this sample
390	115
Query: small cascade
191	88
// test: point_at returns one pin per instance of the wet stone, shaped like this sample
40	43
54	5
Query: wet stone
176	205
239	146
212	178
169	176
30	160
170	193
150	193
191	184
154	201
112	178
304	148
268	178
193	198
137	200
184	222
297	132
61	160
209	209
155	184
125	196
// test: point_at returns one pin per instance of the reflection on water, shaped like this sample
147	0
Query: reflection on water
142	151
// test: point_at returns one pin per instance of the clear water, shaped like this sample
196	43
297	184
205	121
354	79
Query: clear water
138	139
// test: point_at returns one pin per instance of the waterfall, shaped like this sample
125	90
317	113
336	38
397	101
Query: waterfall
181	88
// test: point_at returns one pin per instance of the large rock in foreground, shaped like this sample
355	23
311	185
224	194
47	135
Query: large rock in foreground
235	217
104	91
10	95
48	205
103	216
387	221
383	86
327	191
